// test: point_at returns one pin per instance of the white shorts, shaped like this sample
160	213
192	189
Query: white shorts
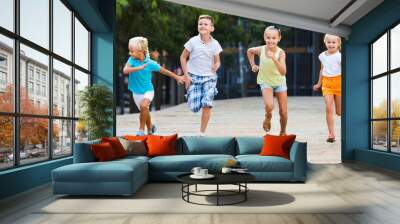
139	97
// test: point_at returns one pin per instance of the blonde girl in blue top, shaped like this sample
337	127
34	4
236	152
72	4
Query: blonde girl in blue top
139	67
271	76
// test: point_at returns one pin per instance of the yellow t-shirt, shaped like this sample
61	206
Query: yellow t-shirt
268	73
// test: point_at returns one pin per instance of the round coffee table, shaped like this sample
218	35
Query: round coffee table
238	179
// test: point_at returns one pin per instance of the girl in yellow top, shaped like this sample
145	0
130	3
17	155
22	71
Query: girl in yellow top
271	76
330	80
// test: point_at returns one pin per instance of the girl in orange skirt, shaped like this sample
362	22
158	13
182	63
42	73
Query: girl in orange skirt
330	80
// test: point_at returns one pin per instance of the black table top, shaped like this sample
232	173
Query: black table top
220	178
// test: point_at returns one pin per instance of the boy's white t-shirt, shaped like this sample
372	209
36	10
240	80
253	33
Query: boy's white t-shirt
201	56
332	64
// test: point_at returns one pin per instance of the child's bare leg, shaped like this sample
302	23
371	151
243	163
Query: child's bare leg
338	104
268	96
329	101
205	117
144	113
283	112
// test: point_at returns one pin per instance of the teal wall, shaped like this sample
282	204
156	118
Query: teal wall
356	102
99	16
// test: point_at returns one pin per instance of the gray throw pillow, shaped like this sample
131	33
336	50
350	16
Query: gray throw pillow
137	148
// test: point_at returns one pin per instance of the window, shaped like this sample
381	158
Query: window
3	72
35	22
30	72
385	94
55	127
62	29
6	75
44	91
7	14
3	78
62	75
30	87
81	45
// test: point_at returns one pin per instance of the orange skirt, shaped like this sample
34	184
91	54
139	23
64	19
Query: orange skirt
332	85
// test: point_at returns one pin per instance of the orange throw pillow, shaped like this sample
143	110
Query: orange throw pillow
103	151
161	145
135	138
116	145
277	145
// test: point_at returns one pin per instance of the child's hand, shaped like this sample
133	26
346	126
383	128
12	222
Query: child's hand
142	67
270	54
254	68
180	80
316	87
214	68
187	80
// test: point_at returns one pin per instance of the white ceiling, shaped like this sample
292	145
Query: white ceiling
315	15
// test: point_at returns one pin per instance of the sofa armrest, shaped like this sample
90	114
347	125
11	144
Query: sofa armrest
298	155
83	152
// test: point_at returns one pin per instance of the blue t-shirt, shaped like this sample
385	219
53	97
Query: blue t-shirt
140	82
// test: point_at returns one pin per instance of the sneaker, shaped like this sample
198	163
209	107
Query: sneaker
152	130
202	134
140	133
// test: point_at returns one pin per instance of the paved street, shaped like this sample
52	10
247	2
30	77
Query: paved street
243	117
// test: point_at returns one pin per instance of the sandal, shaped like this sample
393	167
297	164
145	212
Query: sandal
331	139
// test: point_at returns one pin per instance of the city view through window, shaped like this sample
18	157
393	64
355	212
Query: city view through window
39	113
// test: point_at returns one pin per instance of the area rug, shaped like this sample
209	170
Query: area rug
166	198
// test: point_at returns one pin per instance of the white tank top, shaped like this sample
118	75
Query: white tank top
332	64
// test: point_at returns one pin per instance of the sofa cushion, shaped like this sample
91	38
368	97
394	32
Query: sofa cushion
196	145
249	145
103	152
185	163
257	163
277	145
116	145
135	138
112	171
161	145
134	147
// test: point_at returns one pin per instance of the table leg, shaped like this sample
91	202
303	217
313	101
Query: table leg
245	193
217	194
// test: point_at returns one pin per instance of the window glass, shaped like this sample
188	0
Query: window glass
35	21
6	74
7	14
6	142
62	29
62	91
395	47
379	56
30	58
34	144
379	98
62	138
81	81
81	45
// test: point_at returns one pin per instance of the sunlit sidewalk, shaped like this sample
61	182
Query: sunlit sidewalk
243	117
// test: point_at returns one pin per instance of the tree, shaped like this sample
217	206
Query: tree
33	130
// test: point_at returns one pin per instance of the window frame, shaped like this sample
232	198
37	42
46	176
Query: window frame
388	74
16	61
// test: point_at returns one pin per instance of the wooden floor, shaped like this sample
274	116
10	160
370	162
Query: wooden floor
377	190
243	117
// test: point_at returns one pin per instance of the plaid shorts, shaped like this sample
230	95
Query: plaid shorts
201	92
